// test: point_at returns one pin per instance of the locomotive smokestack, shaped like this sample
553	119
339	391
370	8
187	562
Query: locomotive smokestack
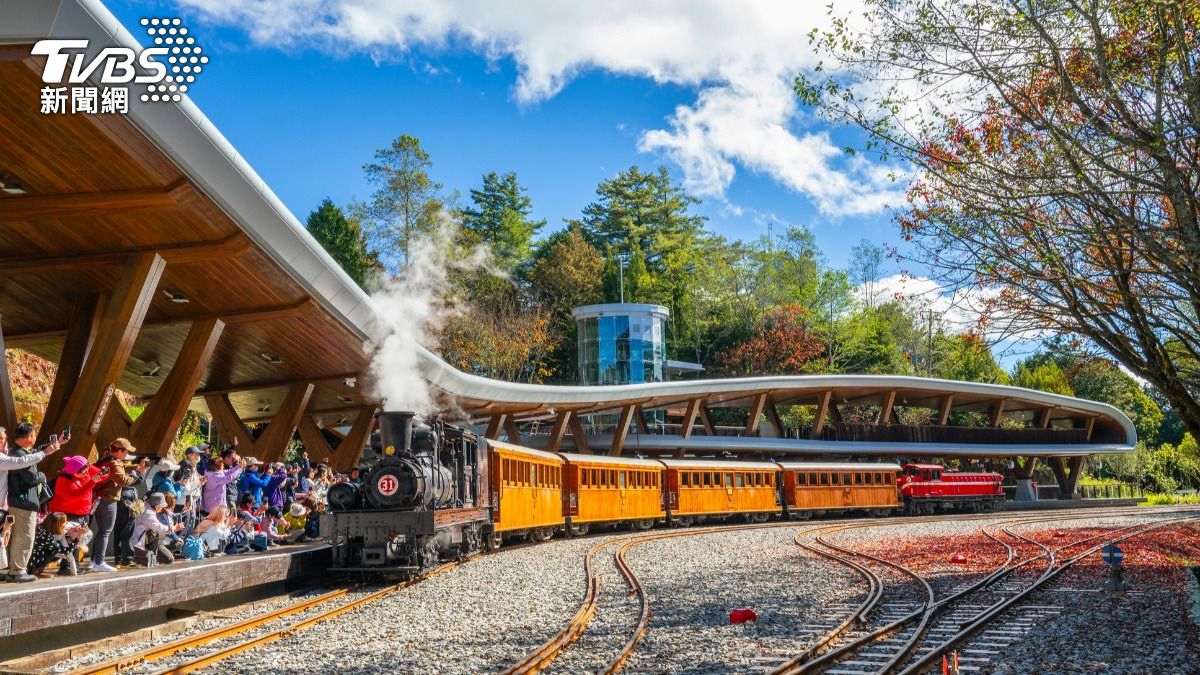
395	430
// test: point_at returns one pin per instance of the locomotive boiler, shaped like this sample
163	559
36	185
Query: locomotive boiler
422	501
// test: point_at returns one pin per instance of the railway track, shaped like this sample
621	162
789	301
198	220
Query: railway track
887	643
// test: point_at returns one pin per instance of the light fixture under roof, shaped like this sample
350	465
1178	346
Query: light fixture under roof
270	358
345	399
264	408
12	187
350	381
176	296
152	372
342	420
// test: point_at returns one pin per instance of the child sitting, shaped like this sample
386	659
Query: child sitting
214	530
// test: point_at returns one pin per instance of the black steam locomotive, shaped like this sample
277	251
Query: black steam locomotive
423	501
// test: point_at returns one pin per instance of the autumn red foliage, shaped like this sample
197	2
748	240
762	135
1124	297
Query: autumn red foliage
781	344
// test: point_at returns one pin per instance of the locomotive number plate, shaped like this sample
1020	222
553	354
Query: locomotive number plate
388	485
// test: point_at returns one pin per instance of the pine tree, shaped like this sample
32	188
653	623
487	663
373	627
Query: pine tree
343	238
500	218
405	202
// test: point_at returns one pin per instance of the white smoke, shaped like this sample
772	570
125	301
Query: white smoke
411	308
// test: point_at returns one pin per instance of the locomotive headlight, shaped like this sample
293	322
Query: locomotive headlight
389	450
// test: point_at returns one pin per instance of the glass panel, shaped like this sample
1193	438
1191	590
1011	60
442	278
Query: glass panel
740	480
621	479
533	470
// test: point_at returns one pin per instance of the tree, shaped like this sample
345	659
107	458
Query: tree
500	218
1045	377
405	201
1056	146
565	274
503	340
780	345
647	208
866	259
969	359
343	239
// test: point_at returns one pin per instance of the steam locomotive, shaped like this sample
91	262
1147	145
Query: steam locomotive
422	502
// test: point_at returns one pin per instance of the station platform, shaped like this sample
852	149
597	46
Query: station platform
70	610
1052	504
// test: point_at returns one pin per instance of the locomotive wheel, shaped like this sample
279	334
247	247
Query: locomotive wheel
578	530
685	521
800	515
643	525
542	534
494	541
759	517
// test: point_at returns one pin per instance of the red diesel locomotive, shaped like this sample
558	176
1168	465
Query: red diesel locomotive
926	488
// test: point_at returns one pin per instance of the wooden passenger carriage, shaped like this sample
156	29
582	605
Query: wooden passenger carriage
699	489
599	489
813	488
526	487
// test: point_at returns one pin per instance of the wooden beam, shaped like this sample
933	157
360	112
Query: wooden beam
756	411
1024	469
8	406
116	424
116	332
579	436
159	422
229	427
511	431
315	412
80	333
561	422
1044	418
889	404
350	450
270	384
689	417
944	410
229	247
91	204
314	441
998	412
271	445
1090	426
495	424
773	420
822	413
621	432
640	416
706	420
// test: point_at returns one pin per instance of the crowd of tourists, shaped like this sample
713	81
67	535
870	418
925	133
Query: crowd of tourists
148	511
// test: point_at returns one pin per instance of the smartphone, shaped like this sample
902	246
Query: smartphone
53	439
66	432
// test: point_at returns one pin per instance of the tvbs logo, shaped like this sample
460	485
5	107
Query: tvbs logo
166	69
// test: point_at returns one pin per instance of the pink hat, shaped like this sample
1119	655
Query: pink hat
74	464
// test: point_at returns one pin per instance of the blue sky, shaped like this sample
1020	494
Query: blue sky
307	109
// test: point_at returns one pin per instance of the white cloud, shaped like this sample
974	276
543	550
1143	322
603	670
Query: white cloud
740	56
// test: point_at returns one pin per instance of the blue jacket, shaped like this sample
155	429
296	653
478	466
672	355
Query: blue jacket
253	483
164	484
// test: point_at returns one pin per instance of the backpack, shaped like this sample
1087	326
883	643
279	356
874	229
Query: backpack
27	488
193	548
259	542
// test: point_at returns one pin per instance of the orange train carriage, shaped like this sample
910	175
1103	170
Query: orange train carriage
600	489
815	489
699	490
527	489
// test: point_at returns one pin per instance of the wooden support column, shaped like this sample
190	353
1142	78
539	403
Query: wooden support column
561	422
494	426
998	412
756	411
314	441
944	410
116	331
706	420
1025	469
888	407
640	417
271	445
773	420
81	331
1044	418
350	450
822	413
1090	426
622	431
511	430
159	422
1066	472
579	436
116	424
835	413
229	427
689	417
8	407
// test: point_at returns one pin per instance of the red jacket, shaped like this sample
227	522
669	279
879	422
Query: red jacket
73	493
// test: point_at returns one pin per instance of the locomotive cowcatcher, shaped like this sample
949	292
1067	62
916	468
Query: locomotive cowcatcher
423	500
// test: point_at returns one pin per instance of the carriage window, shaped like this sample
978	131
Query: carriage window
621	479
869	478
612	478
858	479
533	471
937	475
837	479
738	480
824	479
801	479
728	479
771	479
685	479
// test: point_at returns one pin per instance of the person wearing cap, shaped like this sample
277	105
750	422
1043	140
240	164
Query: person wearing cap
164	481
75	488
273	493
296	519
220	474
112	465
150	532
253	481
